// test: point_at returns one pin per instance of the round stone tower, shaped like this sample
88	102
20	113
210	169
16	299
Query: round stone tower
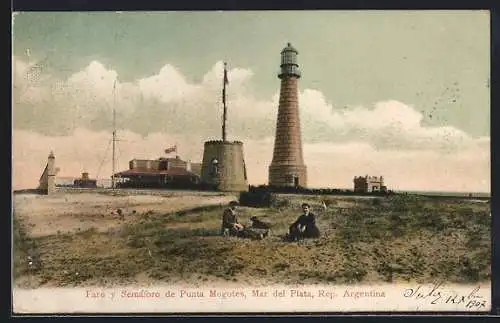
287	167
223	166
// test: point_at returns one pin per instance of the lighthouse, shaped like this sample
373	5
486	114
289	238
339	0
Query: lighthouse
287	168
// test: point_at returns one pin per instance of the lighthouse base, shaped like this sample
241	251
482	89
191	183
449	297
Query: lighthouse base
288	175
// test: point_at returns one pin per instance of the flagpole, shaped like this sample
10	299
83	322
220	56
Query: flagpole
224	116
114	136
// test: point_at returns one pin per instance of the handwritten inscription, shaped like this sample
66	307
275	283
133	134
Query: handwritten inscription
436	294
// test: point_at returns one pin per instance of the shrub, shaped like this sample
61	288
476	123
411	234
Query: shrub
256	198
280	202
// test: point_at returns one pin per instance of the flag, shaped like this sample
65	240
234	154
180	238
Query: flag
226	80
171	149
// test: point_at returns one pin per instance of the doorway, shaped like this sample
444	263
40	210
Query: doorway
296	181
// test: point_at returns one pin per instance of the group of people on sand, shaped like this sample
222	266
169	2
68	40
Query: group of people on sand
303	227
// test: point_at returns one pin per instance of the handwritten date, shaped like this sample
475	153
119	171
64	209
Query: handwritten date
436	295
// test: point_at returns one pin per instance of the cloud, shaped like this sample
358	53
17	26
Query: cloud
161	102
168	85
339	142
387	125
167	102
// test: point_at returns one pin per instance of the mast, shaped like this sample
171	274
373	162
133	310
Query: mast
114	136
224	116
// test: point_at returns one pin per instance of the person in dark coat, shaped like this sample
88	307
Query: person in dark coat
304	226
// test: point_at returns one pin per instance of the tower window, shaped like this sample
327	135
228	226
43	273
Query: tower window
214	167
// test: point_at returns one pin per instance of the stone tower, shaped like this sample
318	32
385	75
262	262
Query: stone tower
47	182
223	166
287	167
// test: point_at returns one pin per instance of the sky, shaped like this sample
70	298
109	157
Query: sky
403	94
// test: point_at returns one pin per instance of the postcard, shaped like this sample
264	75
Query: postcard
260	161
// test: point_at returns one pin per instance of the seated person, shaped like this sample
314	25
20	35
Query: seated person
232	227
230	220
305	226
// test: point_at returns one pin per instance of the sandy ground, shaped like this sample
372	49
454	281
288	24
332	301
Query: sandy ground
69	212
96	255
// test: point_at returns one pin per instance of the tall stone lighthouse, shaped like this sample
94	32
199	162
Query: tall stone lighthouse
287	167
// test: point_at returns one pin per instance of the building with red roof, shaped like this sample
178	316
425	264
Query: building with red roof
161	172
